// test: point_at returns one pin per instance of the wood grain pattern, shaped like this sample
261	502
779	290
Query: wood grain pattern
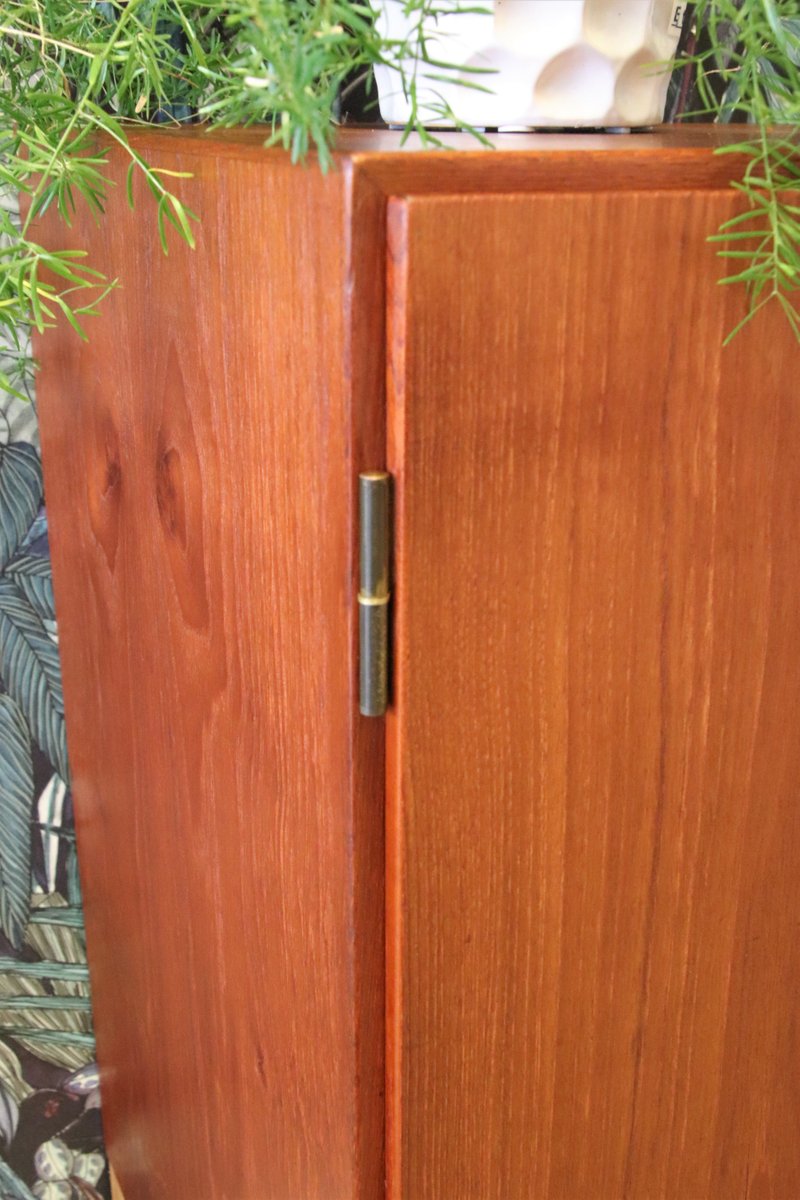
593	836
593	825
200	456
672	157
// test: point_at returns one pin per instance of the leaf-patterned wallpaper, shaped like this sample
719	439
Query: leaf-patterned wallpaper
51	1139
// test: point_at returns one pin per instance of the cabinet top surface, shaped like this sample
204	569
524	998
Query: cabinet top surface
668	156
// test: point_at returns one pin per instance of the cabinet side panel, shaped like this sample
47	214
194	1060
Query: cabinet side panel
594	828
198	461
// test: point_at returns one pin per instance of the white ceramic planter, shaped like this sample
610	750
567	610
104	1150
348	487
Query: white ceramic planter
563	63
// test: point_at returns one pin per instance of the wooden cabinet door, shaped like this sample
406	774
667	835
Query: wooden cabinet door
594	767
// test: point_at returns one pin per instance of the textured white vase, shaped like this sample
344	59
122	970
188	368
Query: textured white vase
565	63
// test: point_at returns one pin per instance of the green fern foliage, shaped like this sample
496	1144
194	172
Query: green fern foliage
70	72
750	72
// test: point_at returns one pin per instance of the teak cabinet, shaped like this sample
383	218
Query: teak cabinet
540	924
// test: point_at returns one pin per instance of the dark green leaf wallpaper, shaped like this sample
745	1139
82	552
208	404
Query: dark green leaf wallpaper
51	1141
